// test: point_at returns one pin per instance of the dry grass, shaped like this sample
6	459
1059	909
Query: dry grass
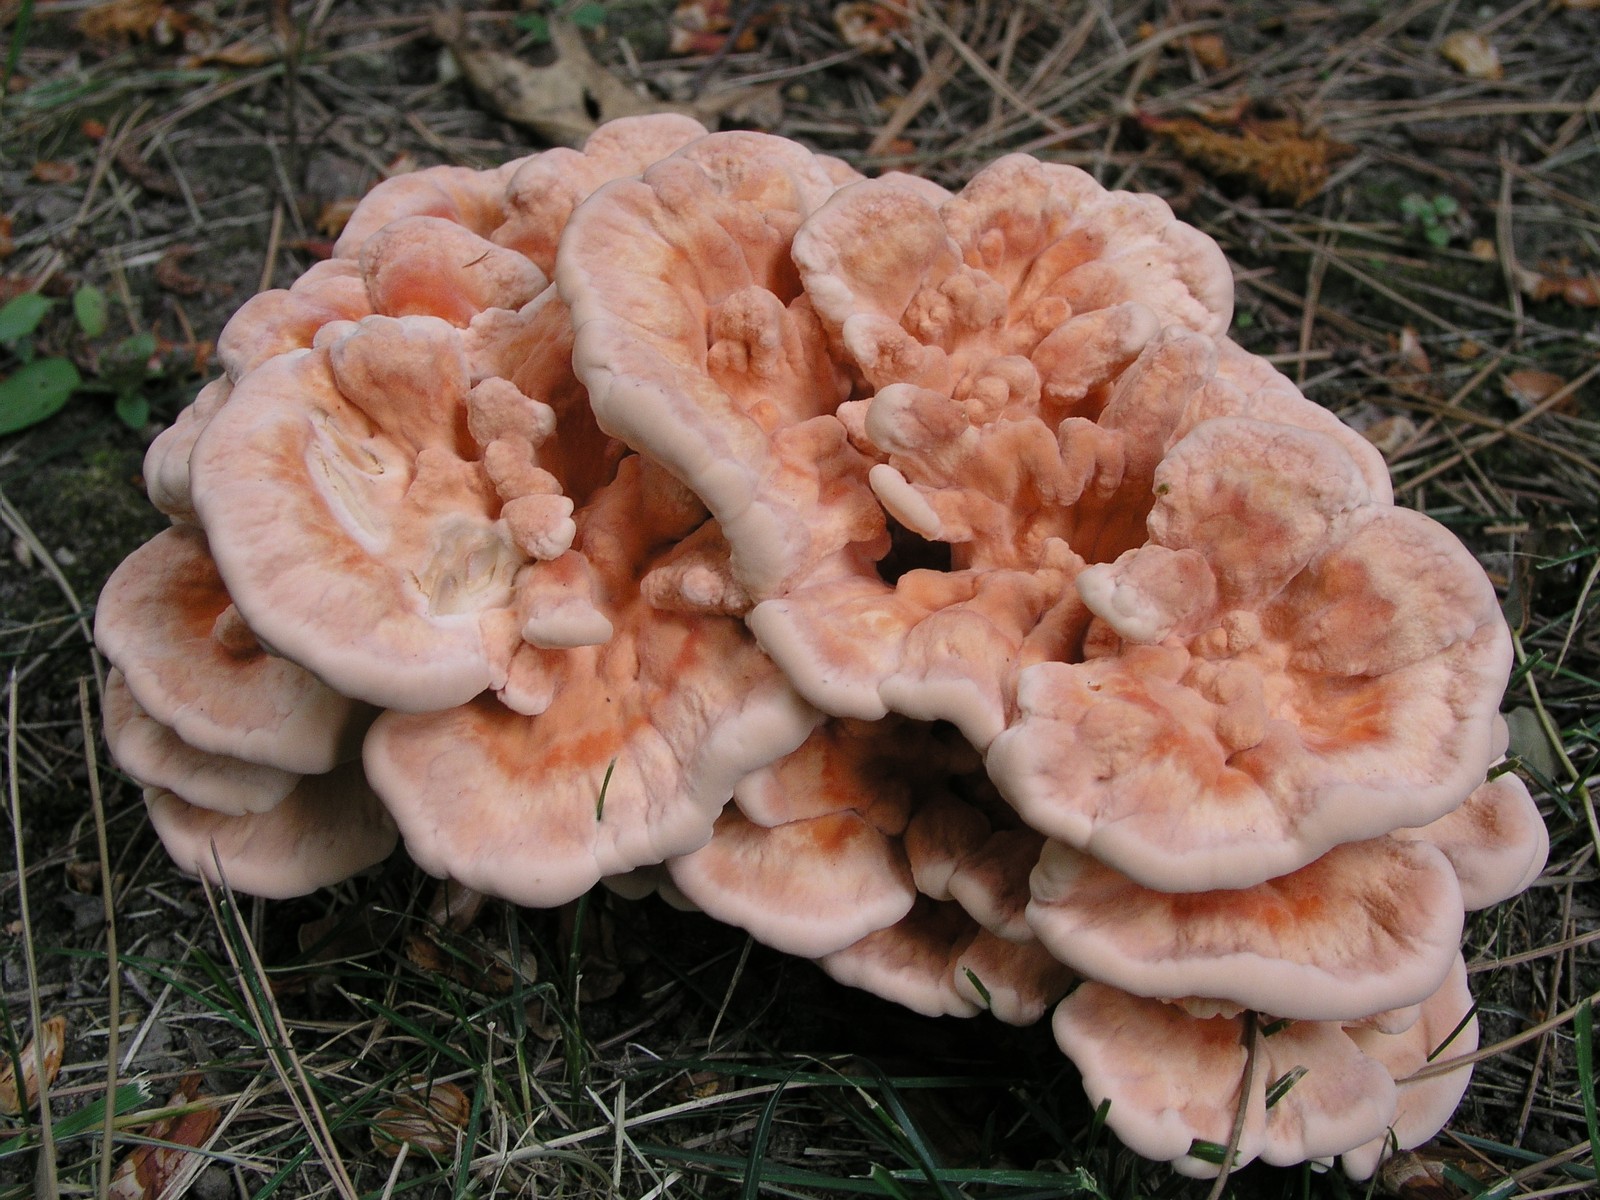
627	1049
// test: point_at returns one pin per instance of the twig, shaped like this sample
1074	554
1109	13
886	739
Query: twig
113	966
46	1185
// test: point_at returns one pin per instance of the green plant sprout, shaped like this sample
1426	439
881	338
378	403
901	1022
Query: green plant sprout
39	387
36	388
1434	215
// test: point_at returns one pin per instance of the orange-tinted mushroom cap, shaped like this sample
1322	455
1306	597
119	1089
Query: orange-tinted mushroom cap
1173	1081
1496	841
157	757
166	620
472	199
1285	666
663	719
806	887
543	190
1446	1029
933	295
1368	926
348	511
328	828
911	962
698	350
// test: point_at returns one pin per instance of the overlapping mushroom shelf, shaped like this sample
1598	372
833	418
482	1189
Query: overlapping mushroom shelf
920	581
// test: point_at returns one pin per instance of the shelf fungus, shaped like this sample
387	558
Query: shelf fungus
920	580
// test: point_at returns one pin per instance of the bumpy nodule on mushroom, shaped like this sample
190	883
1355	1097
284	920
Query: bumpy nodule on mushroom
920	580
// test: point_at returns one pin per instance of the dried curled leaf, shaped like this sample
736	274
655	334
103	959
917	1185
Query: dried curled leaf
482	967
137	20
1472	54
148	1170
1273	157
1530	388
46	1048
704	26
871	27
1581	288
1209	50
426	1115
564	102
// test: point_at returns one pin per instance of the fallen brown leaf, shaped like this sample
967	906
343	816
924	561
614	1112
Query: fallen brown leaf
152	179
1209	50
455	906
92	129
6	244
1409	1176
1472	54
171	275
147	1170
1560	283
703	27
1391	434
1413	359
249	52
1530	388
335	215
135	20
48	170
83	876
318	248
482	968
1274	157
870	27
426	1115
401	164
564	102
45	1051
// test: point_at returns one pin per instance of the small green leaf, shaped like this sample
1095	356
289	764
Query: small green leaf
21	315
1446	206
136	347
535	24
89	306
36	392
1415	206
588	16
1437	235
133	410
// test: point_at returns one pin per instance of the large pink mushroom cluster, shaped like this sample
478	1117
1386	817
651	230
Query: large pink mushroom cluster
920	581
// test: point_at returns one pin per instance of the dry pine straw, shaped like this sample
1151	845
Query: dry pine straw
627	1048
